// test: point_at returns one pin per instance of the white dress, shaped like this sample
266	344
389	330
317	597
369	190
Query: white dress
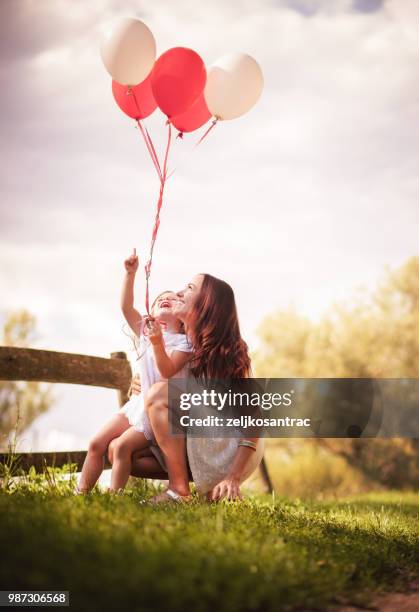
210	460
146	367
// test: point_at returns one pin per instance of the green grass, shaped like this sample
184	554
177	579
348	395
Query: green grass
266	554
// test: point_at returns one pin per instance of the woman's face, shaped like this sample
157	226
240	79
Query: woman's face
186	297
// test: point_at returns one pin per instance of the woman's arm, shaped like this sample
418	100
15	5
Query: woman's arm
229	487
131	315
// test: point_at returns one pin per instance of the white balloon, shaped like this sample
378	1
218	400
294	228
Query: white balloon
128	50
234	85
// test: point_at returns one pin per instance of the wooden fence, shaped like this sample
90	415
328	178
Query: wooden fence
27	364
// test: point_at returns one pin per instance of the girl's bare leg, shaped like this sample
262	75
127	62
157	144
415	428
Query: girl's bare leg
173	447
143	463
94	463
125	445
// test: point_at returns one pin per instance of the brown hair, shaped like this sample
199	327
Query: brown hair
219	350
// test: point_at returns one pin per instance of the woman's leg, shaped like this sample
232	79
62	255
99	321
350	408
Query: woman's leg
94	463
125	445
173	447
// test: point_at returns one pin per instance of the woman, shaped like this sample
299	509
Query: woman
208	310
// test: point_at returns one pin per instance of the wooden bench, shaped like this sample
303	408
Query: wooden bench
28	364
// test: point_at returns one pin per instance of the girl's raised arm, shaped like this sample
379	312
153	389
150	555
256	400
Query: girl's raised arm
132	316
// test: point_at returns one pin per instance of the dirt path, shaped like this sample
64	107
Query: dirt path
392	602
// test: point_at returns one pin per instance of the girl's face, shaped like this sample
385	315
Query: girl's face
164	304
186	297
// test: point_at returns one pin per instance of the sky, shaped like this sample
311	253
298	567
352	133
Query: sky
298	203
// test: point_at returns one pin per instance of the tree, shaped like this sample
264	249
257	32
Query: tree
376	335
21	401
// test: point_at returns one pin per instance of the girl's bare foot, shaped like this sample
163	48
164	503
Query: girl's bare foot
115	491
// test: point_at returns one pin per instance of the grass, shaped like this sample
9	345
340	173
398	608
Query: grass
265	553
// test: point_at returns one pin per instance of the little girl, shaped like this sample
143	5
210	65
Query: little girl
162	354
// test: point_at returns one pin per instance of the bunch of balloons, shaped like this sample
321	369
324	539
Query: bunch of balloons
179	84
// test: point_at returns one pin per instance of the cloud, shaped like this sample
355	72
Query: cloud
368	6
296	200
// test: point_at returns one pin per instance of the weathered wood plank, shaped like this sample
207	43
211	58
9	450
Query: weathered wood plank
40	460
70	368
123	392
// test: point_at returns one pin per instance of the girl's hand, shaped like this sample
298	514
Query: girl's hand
136	385
154	331
228	488
131	264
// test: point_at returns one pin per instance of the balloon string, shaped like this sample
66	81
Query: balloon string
147	267
146	135
151	149
154	152
213	124
180	135
162	177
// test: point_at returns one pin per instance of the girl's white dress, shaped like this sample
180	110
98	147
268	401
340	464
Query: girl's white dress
146	367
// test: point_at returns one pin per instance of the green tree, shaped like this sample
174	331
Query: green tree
374	335
21	401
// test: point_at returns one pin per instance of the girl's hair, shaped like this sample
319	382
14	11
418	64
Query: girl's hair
219	350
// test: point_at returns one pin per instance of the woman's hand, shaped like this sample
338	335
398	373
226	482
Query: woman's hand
131	264
136	385
154	331
228	488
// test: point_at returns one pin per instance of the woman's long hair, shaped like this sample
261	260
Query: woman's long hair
219	350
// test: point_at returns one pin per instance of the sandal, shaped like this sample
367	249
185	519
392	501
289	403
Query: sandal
170	496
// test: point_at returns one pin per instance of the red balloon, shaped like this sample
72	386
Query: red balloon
194	117
137	101
178	79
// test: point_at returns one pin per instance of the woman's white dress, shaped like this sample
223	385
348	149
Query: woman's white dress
210	460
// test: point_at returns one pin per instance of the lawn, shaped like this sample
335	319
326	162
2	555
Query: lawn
112	552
